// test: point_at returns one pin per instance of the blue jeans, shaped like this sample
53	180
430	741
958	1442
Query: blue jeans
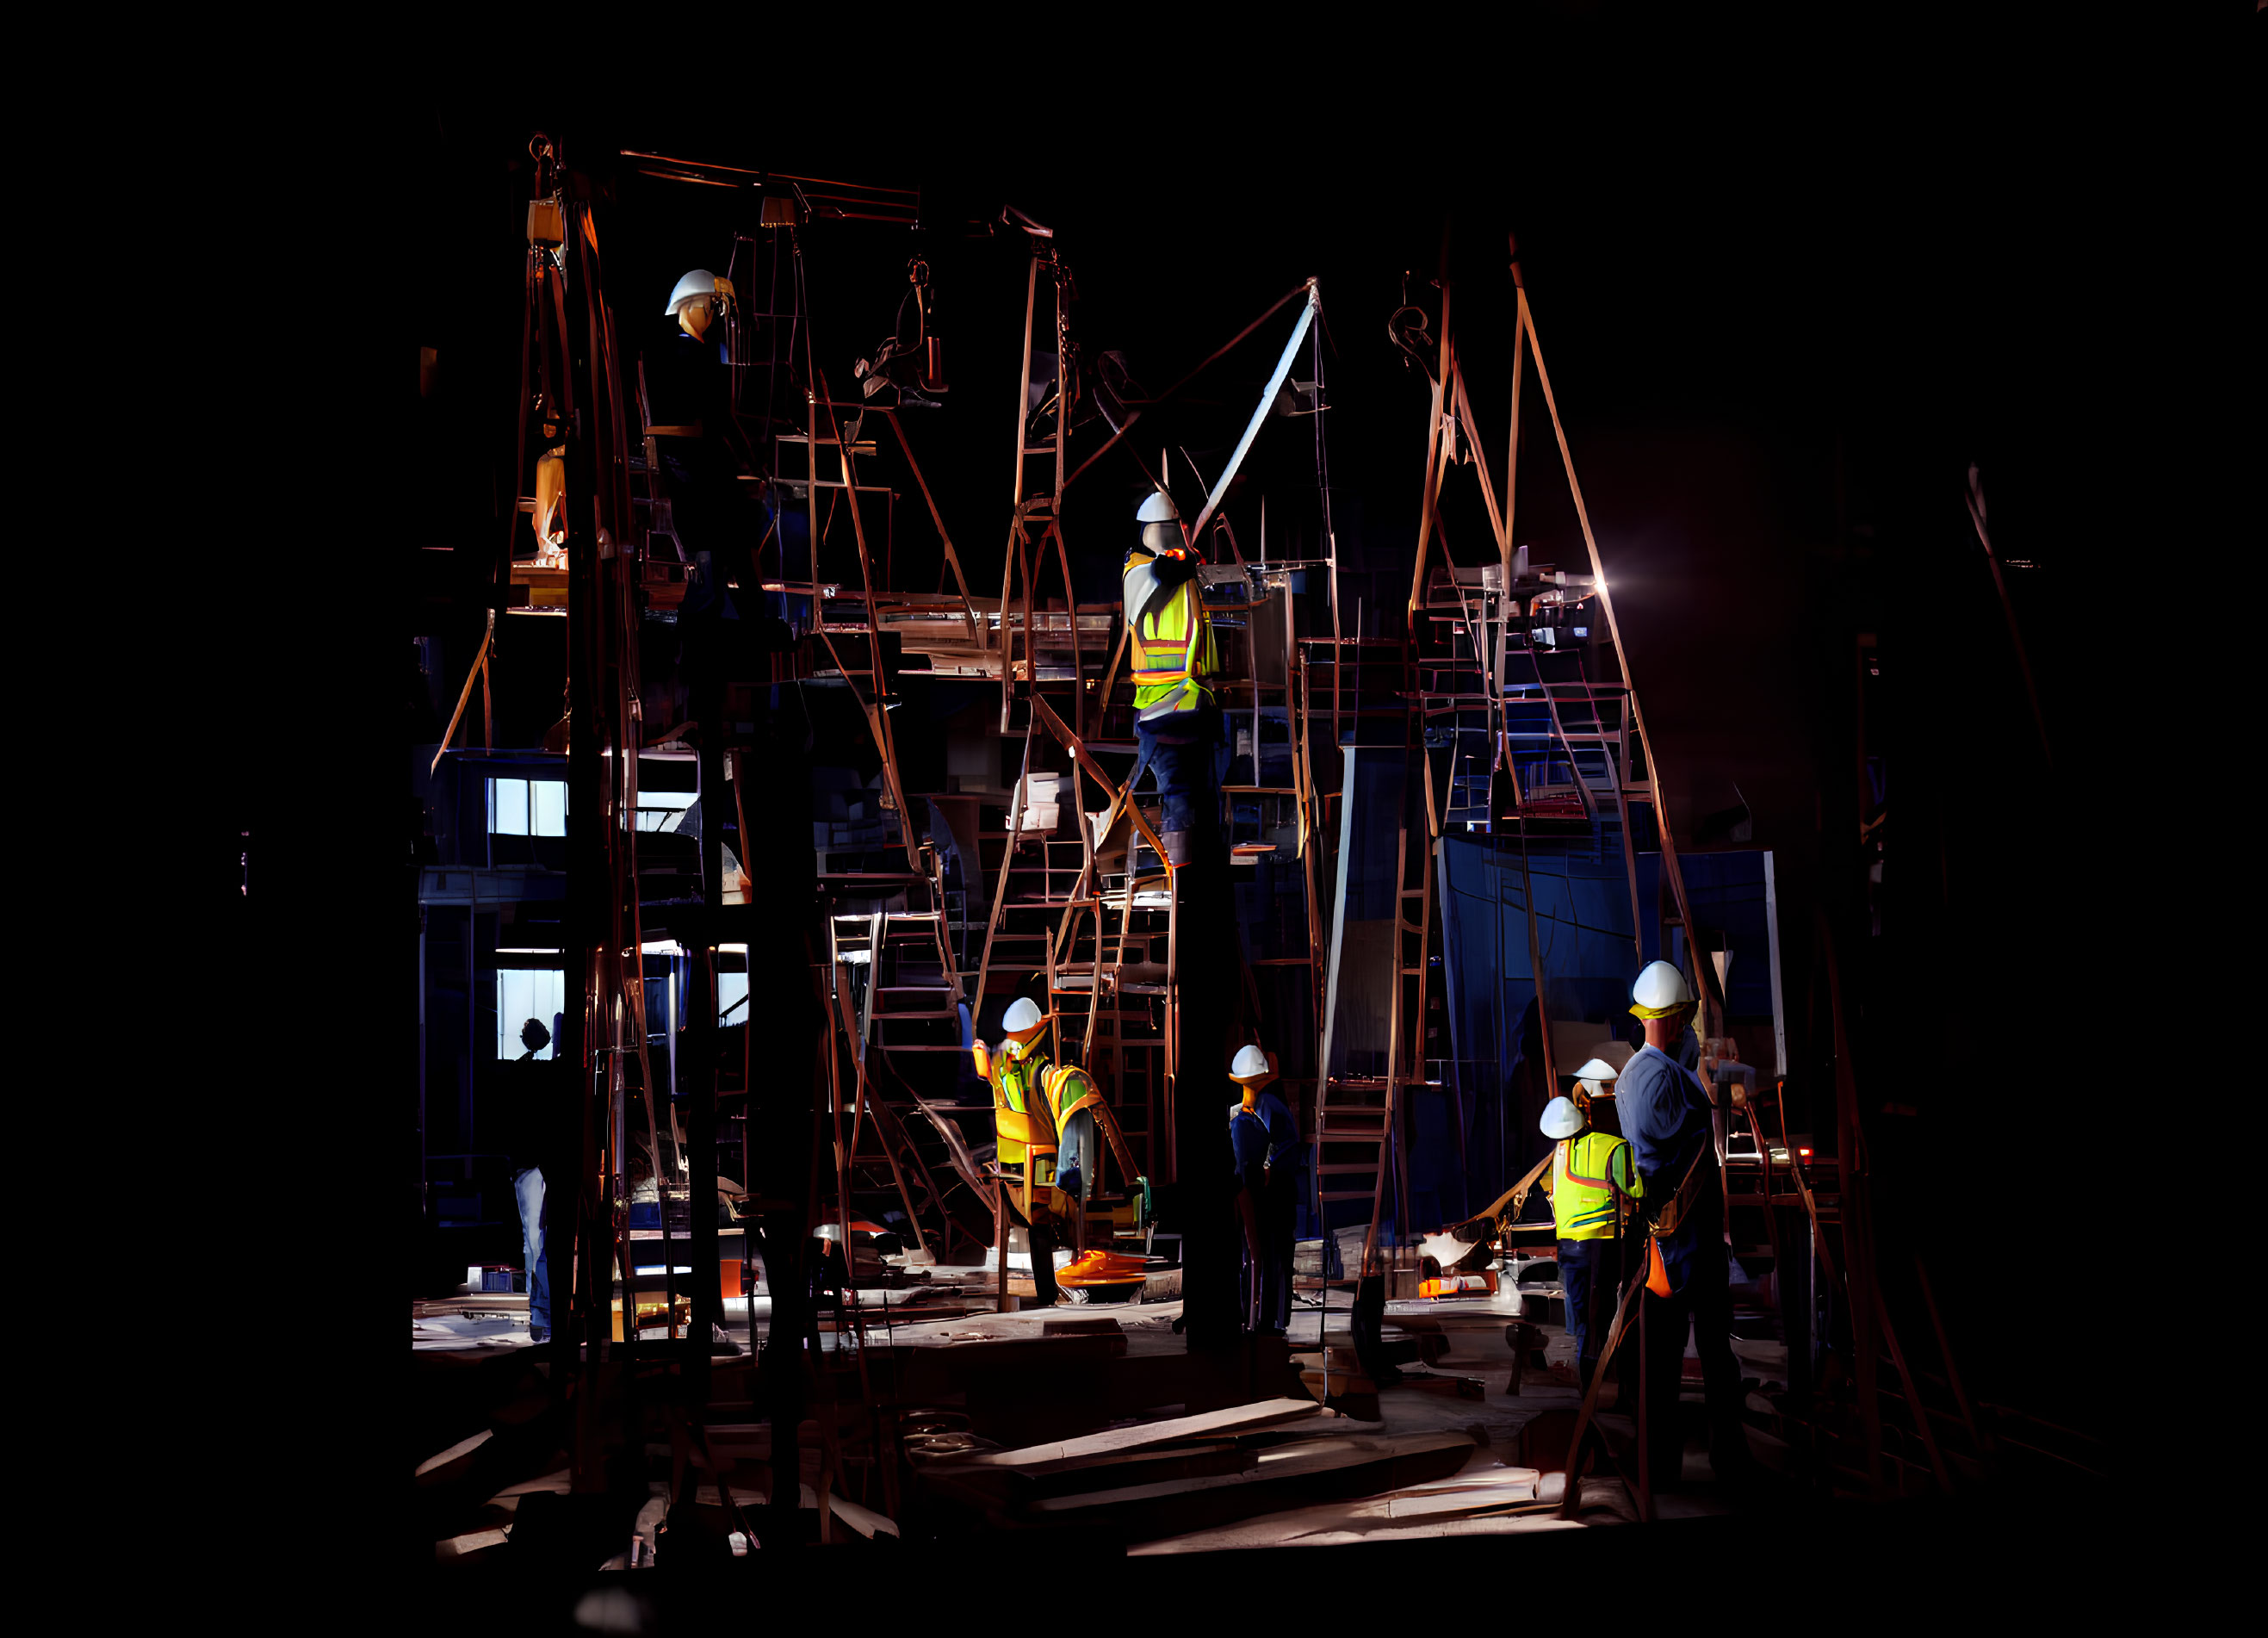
1188	772
527	1188
1590	1277
1700	1299
1078	1157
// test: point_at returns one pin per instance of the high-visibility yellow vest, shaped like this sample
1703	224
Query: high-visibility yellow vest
1069	1090
1020	1123
1592	1180
1031	1100
1172	649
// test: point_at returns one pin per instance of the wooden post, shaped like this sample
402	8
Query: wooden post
1644	1427
701	1104
1000	1231
1978	1439
488	707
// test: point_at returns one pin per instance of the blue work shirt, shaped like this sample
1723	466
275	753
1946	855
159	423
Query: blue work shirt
1268	1134
1665	1114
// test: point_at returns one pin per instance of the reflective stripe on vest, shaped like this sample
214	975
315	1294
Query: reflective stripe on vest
1586	1195
1014	1083
1068	1091
1166	640
1016	1126
1172	646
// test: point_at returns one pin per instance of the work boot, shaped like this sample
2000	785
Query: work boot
1177	847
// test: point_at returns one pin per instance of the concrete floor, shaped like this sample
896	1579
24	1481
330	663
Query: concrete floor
1473	1326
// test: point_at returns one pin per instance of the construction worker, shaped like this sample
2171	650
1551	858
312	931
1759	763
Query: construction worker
1666	1115
1595	1185
1027	1092
1076	1106
533	1159
1263	1138
1594	1087
1176	720
689	399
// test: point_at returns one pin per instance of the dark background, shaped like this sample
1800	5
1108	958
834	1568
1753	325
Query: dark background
1789	286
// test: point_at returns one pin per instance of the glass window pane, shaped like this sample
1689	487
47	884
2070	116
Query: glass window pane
508	807
732	998
512	1011
524	994
548	799
551	1000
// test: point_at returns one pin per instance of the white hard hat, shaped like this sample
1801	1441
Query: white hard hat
1562	1118
1022	1015
700	281
1597	1070
1660	990
1158	509
1251	1065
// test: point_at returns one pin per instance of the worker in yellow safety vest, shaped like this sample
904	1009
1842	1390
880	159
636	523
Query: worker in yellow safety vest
1024	1128
1594	1185
1177	721
1049	1121
1595	1094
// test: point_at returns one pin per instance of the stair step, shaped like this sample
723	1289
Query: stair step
1329	1195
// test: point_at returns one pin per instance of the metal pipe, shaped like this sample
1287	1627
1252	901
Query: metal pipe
1267	402
424	1047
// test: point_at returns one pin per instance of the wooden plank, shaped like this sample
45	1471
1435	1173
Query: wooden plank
463	1448
1308	1458
1311	1472
466	1545
1463	1387
1073	1452
1135	1467
1033	1350
1461	1496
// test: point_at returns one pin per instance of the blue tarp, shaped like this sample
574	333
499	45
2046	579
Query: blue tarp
1589	957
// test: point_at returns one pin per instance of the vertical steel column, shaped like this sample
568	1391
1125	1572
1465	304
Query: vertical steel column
701	1038
424	1142
580	1333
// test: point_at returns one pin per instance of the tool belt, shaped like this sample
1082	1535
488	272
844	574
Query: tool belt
1679	1207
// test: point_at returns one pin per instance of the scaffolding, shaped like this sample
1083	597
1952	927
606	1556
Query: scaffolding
1506	694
